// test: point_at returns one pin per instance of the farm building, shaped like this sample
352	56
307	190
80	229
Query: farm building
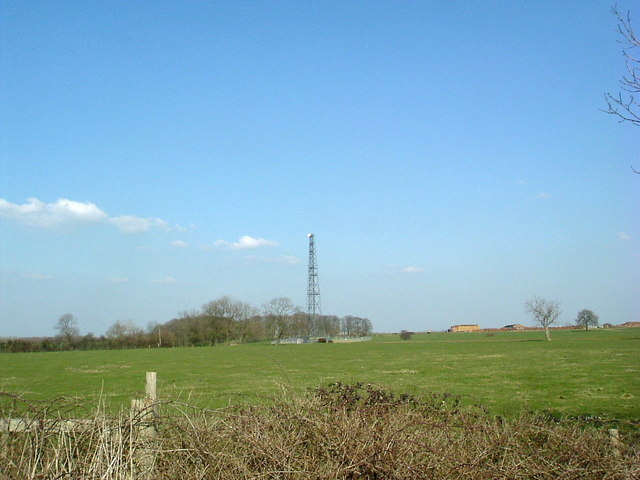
630	324
294	340
515	326
465	328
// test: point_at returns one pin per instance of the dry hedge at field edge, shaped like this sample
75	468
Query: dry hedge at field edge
337	432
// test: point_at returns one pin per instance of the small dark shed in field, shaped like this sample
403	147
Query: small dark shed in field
515	326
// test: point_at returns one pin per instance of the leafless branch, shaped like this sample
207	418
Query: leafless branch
626	104
627	107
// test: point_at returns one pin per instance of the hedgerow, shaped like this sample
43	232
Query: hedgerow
334	432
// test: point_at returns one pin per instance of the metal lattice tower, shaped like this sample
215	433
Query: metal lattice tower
313	287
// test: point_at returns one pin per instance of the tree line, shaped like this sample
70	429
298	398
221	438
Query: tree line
220	321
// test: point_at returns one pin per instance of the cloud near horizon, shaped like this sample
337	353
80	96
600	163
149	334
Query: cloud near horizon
64	212
246	243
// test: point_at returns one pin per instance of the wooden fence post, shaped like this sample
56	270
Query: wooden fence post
151	387
614	438
146	412
151	399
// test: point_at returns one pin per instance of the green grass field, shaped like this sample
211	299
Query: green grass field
578	373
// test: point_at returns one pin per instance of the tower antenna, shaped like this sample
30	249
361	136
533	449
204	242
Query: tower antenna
313	287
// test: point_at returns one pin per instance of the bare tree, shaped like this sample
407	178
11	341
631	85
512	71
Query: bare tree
587	318
228	307
278	312
237	312
627	106
67	327
544	312
626	103
123	332
221	307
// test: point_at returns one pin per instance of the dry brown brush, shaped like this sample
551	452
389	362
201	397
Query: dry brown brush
336	432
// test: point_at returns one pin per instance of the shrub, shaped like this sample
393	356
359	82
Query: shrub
340	431
405	335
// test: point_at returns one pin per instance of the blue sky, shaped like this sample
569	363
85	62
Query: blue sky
452	159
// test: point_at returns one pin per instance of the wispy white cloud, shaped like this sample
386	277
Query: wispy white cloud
179	244
37	276
289	260
181	228
623	236
281	260
245	243
412	269
135	224
396	269
118	280
165	279
543	195
64	212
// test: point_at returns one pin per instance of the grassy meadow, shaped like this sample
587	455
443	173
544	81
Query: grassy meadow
595	372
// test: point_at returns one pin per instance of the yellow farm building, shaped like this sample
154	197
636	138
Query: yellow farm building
465	328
